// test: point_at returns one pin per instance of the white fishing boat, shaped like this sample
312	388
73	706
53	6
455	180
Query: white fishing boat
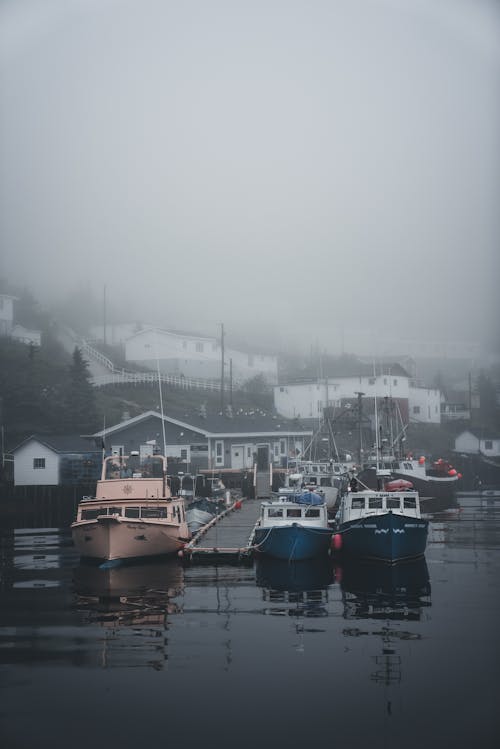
325	477
133	513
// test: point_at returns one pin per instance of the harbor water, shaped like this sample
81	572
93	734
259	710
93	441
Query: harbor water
269	654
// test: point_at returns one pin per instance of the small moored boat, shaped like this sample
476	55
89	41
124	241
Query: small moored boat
293	528
133	513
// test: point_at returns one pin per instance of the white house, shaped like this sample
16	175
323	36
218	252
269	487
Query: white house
14	330
50	461
307	400
475	442
196	356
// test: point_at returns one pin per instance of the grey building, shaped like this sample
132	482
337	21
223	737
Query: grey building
217	441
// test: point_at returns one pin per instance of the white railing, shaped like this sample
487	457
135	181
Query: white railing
118	377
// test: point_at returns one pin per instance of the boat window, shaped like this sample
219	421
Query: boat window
358	503
153	512
392	503
410	503
325	481
91	514
275	512
131	512
312	480
312	512
375	503
294	512
408	466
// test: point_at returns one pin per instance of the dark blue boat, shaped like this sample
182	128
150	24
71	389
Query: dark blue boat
381	525
293	529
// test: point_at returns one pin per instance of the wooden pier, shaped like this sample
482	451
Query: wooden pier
226	538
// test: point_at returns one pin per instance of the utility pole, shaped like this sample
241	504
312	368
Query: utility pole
104	316
222	367
360	433
231	382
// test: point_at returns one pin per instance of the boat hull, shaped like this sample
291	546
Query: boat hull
110	538
389	537
293	542
437	487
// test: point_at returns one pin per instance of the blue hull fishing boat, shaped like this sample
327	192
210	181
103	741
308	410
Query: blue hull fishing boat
294	529
381	525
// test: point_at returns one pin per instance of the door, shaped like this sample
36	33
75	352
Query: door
262	457
237	456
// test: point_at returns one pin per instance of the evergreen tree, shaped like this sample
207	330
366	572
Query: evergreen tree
80	401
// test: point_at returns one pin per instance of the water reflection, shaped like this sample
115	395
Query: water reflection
393	594
131	603
298	589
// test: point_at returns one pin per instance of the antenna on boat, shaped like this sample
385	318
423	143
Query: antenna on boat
161	398
377	436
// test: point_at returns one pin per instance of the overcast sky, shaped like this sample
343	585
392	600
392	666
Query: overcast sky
307	168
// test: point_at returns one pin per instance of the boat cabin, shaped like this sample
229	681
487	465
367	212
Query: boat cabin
289	512
361	504
91	509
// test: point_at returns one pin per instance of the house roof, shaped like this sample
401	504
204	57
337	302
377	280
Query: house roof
62	443
218	425
481	434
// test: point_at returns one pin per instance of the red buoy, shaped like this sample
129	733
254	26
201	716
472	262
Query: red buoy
238	505
337	541
452	472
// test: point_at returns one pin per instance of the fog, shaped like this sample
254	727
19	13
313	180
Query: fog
301	171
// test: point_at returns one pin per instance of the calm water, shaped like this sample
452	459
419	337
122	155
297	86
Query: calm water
155	654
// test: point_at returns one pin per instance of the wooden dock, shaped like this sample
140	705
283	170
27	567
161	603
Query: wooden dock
226	538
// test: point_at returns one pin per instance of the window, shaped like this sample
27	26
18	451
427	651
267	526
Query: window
394	382
219	452
358	503
392	503
410	503
91	514
274	512
199	347
184	454
294	513
488	444
416	409
282	447
312	512
131	512
38	462
371	380
375	503
157	512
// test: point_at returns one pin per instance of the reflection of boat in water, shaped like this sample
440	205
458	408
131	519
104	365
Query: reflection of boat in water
280	575
133	514
381	591
147	580
384	593
298	589
132	604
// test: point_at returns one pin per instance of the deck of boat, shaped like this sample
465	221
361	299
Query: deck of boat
227	537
